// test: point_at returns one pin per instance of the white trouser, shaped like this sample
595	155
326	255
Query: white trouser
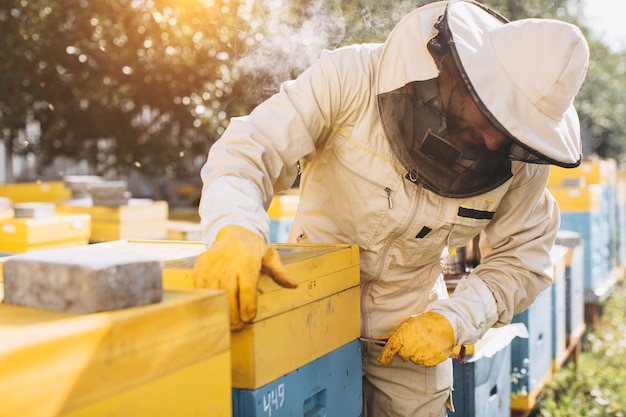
404	389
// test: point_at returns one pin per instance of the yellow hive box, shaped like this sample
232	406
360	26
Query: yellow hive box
183	230
30	234
293	326
566	177
24	192
600	171
7	214
578	199
139	219
284	205
166	359
597	171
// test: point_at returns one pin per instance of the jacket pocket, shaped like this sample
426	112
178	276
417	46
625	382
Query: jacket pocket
469	216
363	186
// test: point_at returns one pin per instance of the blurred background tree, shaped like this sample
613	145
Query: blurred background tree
144	87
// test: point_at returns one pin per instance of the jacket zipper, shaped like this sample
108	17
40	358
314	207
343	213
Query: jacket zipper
390	242
388	190
392	239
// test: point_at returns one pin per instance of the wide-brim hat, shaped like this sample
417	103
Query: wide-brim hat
524	75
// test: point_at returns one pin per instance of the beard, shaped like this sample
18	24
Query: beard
456	130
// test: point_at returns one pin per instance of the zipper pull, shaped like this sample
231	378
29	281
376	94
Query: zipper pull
388	190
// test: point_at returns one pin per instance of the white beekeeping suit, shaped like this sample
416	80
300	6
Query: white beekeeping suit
368	126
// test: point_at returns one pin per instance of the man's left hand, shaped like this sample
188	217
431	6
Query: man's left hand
424	339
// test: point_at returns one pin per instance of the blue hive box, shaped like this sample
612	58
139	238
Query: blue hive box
328	386
559	294
531	358
482	384
575	291
582	212
282	211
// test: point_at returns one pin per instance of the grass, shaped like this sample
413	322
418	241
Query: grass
596	384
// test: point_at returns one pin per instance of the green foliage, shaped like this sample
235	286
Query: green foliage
139	74
594	385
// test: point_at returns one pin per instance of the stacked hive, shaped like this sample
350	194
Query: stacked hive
590	206
114	213
88	333
301	352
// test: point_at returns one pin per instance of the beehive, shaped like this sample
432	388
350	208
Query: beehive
139	219
597	171
184	230
482	384
317	317
30	234
165	359
575	284
21	192
282	210
581	212
330	385
531	358
559	308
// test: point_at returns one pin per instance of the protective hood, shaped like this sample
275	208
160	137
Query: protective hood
524	85
525	75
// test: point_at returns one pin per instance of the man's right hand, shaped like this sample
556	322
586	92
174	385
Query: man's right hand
234	263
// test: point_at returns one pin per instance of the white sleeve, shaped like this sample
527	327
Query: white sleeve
515	259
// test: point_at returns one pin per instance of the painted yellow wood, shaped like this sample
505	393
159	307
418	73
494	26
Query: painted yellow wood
293	326
33	231
203	389
105	231
7	214
598	171
578	199
273	347
54	363
21	247
284	205
24	192
136	209
184	230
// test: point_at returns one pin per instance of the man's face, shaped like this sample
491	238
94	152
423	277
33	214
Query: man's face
467	127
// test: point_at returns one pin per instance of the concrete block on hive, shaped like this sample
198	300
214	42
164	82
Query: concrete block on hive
109	193
34	210
80	281
79	184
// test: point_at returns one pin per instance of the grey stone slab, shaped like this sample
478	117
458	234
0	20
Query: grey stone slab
82	280
110	193
34	210
79	184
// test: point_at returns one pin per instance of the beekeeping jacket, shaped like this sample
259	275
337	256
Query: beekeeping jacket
355	189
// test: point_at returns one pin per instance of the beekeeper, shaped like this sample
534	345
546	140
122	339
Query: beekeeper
406	148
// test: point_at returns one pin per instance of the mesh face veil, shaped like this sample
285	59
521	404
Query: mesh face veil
432	157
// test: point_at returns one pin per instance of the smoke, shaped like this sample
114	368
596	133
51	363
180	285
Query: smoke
290	38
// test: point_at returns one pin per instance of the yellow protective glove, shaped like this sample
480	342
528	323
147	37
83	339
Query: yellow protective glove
234	263
424	339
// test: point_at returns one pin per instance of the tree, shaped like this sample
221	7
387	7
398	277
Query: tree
122	84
